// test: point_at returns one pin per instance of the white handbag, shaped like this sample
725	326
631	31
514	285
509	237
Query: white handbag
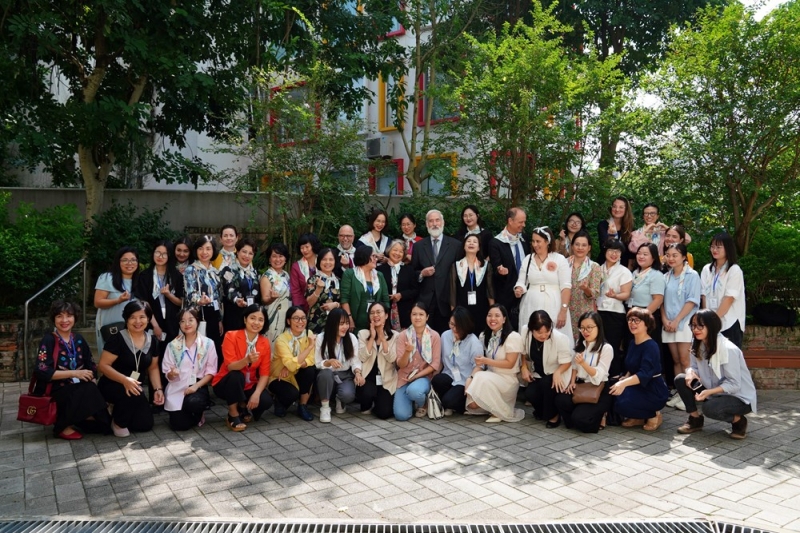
435	408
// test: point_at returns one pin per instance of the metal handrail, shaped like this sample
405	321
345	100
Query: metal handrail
32	298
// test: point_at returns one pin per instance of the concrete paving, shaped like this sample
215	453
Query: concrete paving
456	470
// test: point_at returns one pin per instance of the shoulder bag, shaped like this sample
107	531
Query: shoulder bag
435	408
38	409
588	392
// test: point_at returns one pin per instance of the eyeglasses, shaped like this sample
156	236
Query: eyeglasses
187	321
634	320
572	222
696	327
299	319
714	247
651	213
587	328
128	261
160	254
346	236
376	313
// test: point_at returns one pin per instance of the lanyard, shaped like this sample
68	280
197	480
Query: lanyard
370	289
249	282
72	351
189	354
471	274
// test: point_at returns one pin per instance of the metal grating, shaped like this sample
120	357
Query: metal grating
173	526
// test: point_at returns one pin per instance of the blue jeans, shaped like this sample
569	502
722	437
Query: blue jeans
409	394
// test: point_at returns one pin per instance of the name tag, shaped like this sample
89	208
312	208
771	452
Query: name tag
472	298
163	335
607	303
249	300
135	375
164	311
378	380
76	380
216	305
713	303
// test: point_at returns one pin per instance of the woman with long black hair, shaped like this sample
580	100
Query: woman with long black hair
113	291
161	286
338	365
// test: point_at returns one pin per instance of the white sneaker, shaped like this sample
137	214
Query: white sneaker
120	432
325	413
340	410
680	405
448	412
675	398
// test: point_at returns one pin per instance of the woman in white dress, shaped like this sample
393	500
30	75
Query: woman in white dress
275	291
545	282
492	387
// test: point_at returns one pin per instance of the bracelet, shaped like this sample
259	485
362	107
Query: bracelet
157	390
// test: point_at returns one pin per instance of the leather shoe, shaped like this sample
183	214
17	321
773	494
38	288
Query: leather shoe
632	422
654	423
75	435
551	425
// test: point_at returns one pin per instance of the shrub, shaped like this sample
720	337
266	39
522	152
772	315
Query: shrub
125	225
34	249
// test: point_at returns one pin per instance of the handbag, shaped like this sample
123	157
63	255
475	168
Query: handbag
109	330
435	408
37	409
513	314
201	327
586	393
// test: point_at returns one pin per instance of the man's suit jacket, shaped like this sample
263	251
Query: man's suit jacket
435	290
500	254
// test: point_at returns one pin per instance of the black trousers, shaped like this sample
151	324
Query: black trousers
452	396
585	417
375	397
191	411
231	390
542	395
286	394
615	325
131	412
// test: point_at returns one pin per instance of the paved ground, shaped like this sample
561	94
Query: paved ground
454	470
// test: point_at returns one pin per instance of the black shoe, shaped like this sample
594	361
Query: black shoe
302	412
280	411
695	423
551	425
739	429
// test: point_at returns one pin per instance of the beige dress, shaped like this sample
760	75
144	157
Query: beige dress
495	389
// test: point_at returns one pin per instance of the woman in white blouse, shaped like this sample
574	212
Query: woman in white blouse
723	288
339	367
593	356
615	289
375	237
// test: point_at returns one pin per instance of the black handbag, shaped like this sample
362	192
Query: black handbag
109	330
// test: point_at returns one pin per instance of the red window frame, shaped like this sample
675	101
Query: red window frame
274	118
373	177
421	84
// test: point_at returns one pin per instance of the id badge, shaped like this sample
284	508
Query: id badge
135	375
370	301
193	379
378	380
472	298
713	303
164	311
216	305
607	304
456	374
247	377
163	335
76	380
249	300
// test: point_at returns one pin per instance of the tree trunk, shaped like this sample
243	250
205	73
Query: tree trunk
94	180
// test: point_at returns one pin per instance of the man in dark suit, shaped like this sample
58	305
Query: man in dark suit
506	252
431	260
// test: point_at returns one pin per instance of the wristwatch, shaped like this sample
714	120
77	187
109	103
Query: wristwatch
564	306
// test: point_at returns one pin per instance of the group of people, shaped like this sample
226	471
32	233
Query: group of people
381	322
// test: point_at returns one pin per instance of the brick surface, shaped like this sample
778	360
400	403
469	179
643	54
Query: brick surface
457	470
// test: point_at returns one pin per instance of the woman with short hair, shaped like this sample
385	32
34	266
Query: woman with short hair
460	347
203	288
275	289
293	369
308	246
402	283
240	287
65	361
127	357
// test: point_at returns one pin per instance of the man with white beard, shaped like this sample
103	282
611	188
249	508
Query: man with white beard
431	260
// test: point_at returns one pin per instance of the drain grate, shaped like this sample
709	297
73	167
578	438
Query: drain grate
157	526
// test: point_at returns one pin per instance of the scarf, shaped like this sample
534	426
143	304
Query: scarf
349	253
294	344
369	240
178	348
505	236
376	284
585	270
462	269
476	231
209	276
330	281
228	258
494	344
424	347
158	283
305	268
639	276
181	267
720	358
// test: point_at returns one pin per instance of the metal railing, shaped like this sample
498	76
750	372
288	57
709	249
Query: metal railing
41	291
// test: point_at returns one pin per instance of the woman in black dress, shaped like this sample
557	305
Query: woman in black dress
161	286
65	361
127	357
471	282
402	282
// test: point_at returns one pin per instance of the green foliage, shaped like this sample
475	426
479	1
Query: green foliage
125	225
770	267
310	162
533	134
34	249
728	117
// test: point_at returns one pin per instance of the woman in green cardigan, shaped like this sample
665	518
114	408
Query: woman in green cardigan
361	286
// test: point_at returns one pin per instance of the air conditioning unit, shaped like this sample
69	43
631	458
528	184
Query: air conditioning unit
380	148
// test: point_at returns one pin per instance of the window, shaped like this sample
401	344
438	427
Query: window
397	28
387	178
439	171
290	119
440	111
361	114
385	111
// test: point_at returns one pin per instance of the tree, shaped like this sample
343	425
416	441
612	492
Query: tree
530	110
97	79
729	113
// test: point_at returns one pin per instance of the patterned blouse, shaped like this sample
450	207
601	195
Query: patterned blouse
332	293
72	355
200	281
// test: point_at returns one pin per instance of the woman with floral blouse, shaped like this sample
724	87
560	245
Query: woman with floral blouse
323	291
240	287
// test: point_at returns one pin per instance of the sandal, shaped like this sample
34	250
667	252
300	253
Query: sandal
246	415
421	412
603	421
235	423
